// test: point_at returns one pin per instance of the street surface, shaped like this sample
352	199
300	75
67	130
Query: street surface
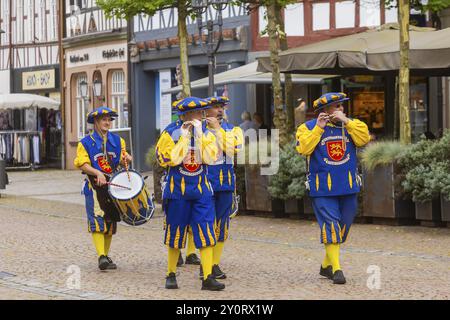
45	245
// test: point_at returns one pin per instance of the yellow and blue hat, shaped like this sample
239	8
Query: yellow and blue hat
329	99
218	100
190	104
100	112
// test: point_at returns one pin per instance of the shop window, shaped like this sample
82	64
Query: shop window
81	108
367	94
118	94
418	103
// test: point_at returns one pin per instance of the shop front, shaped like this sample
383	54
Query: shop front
31	127
95	75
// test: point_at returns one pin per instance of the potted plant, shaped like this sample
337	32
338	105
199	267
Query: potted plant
445	197
383	196
288	184
442	152
420	164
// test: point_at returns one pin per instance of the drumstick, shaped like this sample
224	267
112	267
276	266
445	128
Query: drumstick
118	185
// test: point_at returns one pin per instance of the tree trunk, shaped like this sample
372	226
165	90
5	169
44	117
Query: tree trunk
184	57
279	117
288	97
405	125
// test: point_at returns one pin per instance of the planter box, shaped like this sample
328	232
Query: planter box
278	209
429	211
307	208
379	196
257	196
445	210
293	208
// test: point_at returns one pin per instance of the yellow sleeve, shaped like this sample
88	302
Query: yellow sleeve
169	153
82	156
209	148
307	140
359	132
230	141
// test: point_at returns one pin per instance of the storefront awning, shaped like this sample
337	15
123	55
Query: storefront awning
373	50
25	100
248	74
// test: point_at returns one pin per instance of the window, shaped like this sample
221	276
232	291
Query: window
294	20
262	20
369	11
391	15
321	16
53	19
81	108
4	15
345	14
118	94
19	21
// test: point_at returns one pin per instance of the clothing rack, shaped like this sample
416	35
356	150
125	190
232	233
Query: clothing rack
31	165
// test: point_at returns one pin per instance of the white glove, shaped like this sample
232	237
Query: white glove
198	130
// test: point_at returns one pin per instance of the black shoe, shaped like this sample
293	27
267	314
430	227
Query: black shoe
200	274
338	277
103	263
212	284
112	265
180	260
171	281
217	273
192	259
326	272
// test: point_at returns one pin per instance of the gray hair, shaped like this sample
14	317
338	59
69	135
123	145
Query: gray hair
246	116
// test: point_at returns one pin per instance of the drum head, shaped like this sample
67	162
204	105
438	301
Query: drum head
136	184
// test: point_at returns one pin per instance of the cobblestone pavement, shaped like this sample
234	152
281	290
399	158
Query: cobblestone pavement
264	258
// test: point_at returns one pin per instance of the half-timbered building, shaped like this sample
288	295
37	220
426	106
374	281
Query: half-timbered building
95	55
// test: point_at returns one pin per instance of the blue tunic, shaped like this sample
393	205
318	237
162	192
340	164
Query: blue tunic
333	165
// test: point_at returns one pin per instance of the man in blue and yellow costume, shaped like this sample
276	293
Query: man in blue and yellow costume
221	175
186	147
99	154
330	143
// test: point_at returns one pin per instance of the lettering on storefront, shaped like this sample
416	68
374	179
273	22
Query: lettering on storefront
79	58
36	80
113	53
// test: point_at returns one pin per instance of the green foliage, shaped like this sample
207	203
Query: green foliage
381	153
426	169
127	9
431	5
289	182
150	157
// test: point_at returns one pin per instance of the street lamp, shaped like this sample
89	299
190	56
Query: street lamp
212	45
84	89
97	88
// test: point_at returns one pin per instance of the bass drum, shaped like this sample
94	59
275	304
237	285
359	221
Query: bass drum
134	202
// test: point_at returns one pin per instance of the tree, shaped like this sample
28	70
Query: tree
404	7
127	9
277	42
